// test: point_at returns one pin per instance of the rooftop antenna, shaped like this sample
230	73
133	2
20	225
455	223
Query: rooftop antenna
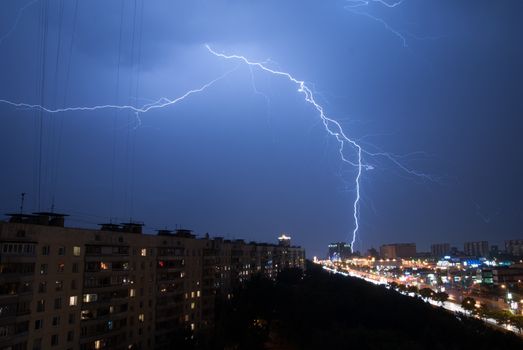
22	195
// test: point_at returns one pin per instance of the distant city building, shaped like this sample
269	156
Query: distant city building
508	275
373	253
455	252
439	250
284	241
339	251
494	251
514	247
116	288
423	255
478	249
398	250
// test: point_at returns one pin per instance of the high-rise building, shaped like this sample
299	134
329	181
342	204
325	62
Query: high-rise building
398	250
339	251
514	247
284	240
116	288
478	249
439	250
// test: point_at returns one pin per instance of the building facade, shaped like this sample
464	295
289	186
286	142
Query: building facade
514	247
116	288
439	250
339	251
398	250
478	249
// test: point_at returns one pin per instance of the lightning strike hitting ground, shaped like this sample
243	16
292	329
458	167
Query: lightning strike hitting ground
332	126
335	129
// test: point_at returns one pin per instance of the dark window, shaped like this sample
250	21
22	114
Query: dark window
40	306
39	324
54	340
37	344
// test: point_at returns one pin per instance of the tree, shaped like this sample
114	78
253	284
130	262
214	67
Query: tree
402	288
441	297
516	321
483	311
393	285
501	316
426	293
413	289
469	304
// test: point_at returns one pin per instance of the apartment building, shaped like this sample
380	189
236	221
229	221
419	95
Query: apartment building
117	288
439	250
478	249
398	250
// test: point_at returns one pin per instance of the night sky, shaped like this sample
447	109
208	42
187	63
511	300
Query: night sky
248	157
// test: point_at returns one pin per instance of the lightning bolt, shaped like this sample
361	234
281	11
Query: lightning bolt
353	5
17	19
360	3
332	126
160	103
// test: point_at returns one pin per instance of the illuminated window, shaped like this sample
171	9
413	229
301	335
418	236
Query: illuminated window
186	318
97	344
76	251
193	305
132	293
141	317
86	314
89	298
73	300
143	252
104	266
192	294
198	294
192	327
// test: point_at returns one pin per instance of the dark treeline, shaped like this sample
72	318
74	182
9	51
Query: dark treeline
320	310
